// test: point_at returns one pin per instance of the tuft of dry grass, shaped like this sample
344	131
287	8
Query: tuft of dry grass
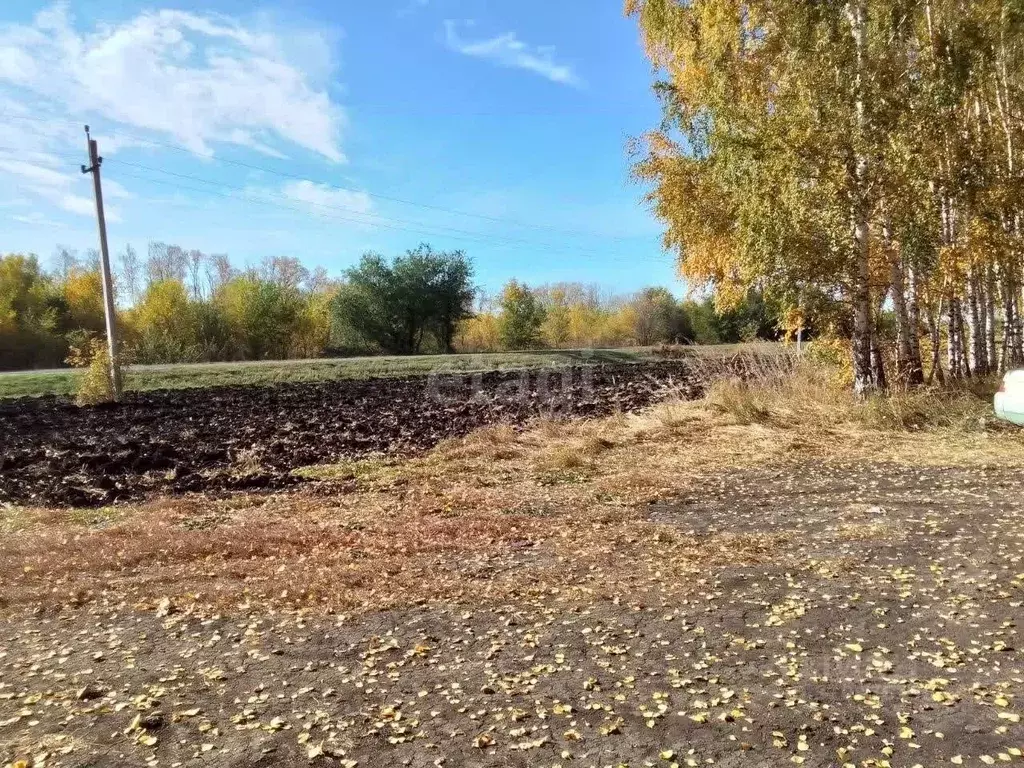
787	392
960	408
496	443
870	531
571	453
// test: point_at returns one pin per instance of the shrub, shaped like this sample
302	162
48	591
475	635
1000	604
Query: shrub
522	316
95	384
834	355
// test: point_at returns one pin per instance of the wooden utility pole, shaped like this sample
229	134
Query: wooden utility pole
108	285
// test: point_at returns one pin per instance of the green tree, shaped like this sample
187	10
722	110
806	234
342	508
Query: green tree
750	319
163	326
33	315
311	331
260	314
452	294
397	306
658	318
213	332
702	320
521	317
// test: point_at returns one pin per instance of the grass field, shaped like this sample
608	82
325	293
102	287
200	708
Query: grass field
150	377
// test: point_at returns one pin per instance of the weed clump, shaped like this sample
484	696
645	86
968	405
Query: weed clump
95	383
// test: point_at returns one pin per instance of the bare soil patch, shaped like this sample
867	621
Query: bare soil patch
237	438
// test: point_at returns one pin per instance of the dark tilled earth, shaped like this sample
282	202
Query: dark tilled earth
885	632
231	438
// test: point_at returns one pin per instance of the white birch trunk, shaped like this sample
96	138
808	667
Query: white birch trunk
863	380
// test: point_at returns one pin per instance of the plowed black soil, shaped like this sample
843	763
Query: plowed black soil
53	452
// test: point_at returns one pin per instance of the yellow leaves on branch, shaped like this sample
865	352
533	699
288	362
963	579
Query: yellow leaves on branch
696	211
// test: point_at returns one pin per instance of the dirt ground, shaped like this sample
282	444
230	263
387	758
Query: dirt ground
236	438
819	611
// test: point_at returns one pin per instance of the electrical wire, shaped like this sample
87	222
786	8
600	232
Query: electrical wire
283	174
433	230
482	239
375	220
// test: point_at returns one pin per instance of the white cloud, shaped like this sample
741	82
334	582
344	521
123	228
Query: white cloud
509	51
320	200
43	162
326	198
199	79
57	182
37	219
36	175
83	206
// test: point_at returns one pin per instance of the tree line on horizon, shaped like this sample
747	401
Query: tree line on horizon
185	306
858	161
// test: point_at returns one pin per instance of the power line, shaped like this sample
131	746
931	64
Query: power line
395	224
296	177
376	195
325	217
435	231
392	223
476	238
343	209
401	225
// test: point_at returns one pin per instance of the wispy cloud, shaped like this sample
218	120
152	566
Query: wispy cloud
328	199
509	51
36	219
323	200
50	179
200	79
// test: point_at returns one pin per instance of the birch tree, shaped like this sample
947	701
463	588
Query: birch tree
866	150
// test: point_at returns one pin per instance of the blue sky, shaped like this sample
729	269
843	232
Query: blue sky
324	129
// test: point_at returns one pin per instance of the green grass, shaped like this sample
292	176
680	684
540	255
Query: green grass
143	378
14	519
30	383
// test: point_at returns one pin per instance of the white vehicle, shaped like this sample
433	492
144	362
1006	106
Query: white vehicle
1009	400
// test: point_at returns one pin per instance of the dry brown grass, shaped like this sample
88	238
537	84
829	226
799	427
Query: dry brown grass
784	391
505	514
369	550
